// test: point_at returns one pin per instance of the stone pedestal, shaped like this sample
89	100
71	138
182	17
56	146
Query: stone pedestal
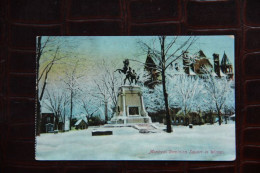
130	107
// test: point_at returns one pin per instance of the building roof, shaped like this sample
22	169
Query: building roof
201	54
203	62
79	121
151	62
192	73
180	113
222	74
225	61
45	110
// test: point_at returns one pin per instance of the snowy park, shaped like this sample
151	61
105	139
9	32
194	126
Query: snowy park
206	142
135	98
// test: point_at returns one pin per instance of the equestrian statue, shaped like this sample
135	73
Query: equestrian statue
131	75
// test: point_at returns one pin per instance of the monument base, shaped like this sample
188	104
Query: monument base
130	107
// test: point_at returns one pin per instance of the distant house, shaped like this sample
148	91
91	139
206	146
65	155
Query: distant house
61	125
47	122
81	124
154	75
195	65
201	63
226	66
232	117
192	65
191	118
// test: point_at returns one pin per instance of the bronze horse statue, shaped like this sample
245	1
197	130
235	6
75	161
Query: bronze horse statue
125	68
131	76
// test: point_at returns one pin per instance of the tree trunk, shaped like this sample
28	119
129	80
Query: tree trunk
64	120
56	122
225	119
43	88
165	94
38	106
219	118
106	112
38	116
71	107
168	118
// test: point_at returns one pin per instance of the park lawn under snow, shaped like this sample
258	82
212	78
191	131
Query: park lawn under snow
206	142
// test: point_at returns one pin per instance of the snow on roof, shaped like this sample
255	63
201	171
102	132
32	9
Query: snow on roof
221	73
46	111
214	74
79	121
192	72
151	60
44	107
180	113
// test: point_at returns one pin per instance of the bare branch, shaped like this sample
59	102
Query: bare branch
190	44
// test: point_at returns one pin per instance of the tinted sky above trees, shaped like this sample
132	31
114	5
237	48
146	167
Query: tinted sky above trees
89	51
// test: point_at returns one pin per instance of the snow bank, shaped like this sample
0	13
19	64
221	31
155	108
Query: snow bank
207	142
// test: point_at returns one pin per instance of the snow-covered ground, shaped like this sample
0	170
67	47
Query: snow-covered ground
206	142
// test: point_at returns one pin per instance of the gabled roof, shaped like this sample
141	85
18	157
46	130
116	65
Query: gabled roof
79	121
225	61
204	62
222	74
201	54
149	61
192	73
214	74
180	113
45	110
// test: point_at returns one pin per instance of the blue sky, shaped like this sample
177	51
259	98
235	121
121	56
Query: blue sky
92	49
127	47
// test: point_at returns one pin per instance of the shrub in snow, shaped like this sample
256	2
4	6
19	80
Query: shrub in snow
95	121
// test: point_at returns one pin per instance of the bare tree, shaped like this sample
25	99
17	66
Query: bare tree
186	92
40	50
217	89
90	104
72	84
50	47
56	101
107	84
169	51
49	51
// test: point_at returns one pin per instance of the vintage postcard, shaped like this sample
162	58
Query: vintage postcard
135	98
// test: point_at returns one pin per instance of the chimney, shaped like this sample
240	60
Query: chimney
216	64
186	62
